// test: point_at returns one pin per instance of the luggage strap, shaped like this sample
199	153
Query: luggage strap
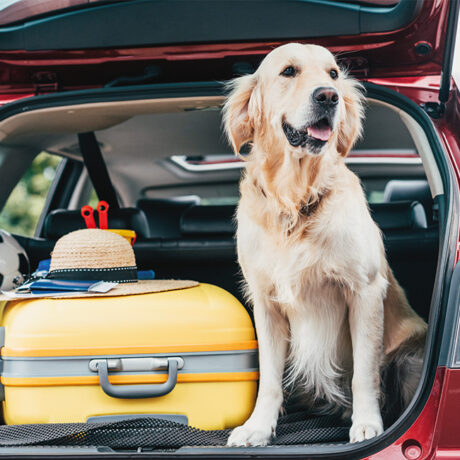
97	169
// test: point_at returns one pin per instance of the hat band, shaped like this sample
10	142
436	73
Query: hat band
115	274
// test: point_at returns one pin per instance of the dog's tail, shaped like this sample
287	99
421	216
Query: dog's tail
400	377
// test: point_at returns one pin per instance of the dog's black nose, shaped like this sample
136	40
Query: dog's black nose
325	97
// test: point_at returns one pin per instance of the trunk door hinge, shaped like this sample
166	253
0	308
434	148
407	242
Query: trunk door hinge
434	109
357	65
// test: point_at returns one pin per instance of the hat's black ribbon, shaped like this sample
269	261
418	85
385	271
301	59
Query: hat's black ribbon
116	274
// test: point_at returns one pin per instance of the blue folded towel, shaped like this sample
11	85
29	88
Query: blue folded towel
47	286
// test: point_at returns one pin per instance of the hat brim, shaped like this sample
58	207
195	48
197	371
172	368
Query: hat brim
122	289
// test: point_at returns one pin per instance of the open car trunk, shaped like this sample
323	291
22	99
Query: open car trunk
173	119
70	68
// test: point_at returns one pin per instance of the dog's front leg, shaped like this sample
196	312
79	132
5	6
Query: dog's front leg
272	336
366	327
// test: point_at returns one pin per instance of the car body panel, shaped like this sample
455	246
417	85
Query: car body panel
447	426
421	432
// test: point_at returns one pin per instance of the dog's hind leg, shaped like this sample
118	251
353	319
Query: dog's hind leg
272	335
366	328
401	375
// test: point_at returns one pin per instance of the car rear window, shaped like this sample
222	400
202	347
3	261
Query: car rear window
12	11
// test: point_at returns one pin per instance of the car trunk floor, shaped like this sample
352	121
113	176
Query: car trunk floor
148	432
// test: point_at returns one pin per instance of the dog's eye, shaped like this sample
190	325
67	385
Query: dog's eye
289	72
334	74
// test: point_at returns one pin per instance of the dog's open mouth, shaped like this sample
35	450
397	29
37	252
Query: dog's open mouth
315	135
321	131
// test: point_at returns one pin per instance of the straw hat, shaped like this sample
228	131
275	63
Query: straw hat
94	254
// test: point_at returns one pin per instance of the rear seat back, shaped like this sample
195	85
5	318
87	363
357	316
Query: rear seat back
205	248
410	190
219	220
62	221
399	215
164	215
208	220
202	245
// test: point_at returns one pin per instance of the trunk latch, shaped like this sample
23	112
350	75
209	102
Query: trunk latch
45	82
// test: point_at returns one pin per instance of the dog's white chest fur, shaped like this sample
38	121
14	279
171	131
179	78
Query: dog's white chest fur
309	281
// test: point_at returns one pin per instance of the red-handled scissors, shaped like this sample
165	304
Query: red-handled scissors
87	214
102	209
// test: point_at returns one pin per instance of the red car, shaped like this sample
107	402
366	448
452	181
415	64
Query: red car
69	67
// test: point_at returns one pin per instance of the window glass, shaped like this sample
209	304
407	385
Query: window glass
24	206
220	200
375	196
93	199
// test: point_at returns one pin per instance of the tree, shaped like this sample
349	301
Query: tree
22	210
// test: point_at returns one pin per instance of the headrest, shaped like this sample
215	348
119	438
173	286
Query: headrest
219	220
403	190
410	190
209	220
164	214
62	221
399	215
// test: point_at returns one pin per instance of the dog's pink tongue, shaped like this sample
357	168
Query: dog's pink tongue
323	133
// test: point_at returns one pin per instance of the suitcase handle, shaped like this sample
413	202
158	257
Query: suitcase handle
137	391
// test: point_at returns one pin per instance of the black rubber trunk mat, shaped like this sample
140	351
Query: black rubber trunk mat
296	428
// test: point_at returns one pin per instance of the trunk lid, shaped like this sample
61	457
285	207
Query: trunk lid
77	44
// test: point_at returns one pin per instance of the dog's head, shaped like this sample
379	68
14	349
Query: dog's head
298	100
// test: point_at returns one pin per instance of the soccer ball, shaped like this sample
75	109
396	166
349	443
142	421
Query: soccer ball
13	262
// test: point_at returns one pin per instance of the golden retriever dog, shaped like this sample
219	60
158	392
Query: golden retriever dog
328	311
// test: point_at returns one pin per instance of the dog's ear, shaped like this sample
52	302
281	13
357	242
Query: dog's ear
350	128
239	111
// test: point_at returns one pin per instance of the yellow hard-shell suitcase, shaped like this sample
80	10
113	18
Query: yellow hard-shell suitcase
189	352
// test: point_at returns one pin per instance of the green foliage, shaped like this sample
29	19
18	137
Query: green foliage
25	204
93	199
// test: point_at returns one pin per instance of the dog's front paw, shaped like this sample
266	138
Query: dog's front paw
360	431
250	434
